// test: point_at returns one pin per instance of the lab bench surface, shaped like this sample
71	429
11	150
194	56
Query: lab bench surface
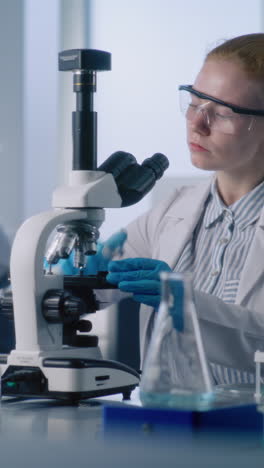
48	433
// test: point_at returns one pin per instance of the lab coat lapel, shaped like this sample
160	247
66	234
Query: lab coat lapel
253	268
182	218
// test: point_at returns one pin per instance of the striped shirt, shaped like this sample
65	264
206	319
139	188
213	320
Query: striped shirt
216	254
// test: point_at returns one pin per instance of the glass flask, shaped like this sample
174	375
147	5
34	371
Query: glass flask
175	373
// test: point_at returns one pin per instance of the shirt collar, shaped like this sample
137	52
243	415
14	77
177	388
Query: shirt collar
244	211
215	207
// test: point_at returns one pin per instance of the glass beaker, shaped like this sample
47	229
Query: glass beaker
175	373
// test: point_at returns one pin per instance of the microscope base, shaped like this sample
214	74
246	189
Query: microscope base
71	379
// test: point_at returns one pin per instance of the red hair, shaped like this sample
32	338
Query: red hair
247	50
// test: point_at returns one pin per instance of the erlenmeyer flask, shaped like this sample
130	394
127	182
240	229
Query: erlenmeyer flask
175	373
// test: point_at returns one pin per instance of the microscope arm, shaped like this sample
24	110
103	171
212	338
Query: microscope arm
29	283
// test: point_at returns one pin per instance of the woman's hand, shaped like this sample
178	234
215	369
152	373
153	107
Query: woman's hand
140	276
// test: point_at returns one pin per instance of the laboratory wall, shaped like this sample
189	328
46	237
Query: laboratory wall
40	94
11	114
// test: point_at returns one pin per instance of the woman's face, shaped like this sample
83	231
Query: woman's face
215	151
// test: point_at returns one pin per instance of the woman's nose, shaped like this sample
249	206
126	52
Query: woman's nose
200	122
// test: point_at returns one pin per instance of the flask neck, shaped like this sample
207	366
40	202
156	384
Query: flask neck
175	296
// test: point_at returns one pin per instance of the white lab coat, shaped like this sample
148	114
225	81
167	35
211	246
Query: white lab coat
231	332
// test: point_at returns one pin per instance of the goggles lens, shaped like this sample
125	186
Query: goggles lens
216	116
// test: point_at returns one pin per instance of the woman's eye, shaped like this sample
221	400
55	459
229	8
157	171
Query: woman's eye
223	114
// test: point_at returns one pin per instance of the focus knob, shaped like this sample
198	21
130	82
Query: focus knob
61	307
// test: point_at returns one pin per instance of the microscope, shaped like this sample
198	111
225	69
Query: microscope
55	356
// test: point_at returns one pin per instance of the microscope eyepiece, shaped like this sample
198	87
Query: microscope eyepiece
117	163
158	163
133	180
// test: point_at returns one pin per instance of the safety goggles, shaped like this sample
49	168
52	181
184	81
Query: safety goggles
218	115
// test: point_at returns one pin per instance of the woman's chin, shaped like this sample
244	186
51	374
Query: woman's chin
202	163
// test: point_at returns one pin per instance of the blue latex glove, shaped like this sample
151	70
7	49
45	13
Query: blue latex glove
98	262
141	276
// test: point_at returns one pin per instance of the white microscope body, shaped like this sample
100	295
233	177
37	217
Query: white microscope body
65	371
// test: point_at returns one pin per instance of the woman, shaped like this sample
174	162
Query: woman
214	229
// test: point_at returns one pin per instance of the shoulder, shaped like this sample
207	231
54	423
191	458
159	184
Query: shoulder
184	202
183	197
181	201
